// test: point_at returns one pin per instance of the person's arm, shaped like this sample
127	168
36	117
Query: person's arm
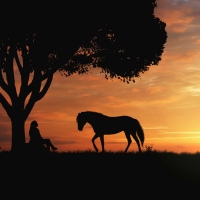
30	132
38	133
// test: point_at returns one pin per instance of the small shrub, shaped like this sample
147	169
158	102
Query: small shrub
148	148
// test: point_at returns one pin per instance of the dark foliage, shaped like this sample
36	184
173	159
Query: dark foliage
122	38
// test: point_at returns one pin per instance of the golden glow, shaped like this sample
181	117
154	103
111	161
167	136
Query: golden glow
165	99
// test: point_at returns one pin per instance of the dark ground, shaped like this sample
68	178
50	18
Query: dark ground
108	175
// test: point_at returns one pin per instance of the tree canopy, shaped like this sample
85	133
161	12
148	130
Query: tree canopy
122	38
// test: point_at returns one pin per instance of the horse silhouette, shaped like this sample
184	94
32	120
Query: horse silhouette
105	125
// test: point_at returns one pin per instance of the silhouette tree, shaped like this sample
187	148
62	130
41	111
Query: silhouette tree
121	39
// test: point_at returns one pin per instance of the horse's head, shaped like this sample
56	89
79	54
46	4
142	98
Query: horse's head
81	121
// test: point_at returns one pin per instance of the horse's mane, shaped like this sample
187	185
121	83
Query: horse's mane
95	113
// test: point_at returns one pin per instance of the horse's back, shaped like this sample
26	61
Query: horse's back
124	119
127	122
118	119
117	124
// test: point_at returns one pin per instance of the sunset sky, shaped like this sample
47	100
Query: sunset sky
165	99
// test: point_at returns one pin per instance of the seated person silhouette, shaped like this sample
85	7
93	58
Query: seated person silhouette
36	139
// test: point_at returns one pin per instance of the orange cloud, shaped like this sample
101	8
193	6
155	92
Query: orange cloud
177	15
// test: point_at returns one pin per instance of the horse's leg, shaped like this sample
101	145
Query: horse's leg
137	141
128	137
95	137
102	142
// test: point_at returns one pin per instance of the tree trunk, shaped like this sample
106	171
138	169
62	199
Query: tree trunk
18	134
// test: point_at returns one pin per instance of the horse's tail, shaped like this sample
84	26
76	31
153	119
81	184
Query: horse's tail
140	132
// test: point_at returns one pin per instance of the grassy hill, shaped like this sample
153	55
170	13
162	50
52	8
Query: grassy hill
114	172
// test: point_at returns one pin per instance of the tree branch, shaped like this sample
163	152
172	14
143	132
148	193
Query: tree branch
45	88
58	65
34	87
33	83
6	105
3	84
36	96
29	106
10	74
50	73
18	63
23	93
